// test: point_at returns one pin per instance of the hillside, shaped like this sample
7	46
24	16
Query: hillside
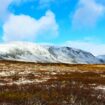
24	51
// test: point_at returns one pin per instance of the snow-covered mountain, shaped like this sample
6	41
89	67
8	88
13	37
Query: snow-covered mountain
101	57
25	51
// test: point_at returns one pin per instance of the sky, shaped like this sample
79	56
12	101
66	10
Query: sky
75	23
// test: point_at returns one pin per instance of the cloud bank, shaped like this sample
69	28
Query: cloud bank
87	14
23	27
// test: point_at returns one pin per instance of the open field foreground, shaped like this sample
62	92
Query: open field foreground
51	84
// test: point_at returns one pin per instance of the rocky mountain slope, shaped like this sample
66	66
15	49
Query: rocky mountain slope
101	57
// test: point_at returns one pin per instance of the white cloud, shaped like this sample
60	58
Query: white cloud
4	4
96	49
23	27
87	13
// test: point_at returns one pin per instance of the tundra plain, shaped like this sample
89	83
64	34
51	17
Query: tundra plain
26	83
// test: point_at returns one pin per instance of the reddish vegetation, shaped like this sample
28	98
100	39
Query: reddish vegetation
51	84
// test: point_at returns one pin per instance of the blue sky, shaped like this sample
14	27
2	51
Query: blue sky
76	23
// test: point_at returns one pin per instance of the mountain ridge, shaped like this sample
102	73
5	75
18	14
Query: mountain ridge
101	57
27	51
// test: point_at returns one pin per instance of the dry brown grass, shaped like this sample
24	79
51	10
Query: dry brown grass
65	84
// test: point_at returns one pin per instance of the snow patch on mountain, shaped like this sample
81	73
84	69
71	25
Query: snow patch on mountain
102	58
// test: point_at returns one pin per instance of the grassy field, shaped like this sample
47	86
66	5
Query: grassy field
24	83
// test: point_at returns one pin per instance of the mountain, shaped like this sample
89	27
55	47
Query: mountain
102	58
25	51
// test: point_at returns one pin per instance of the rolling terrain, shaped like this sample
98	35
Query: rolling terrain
26	83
